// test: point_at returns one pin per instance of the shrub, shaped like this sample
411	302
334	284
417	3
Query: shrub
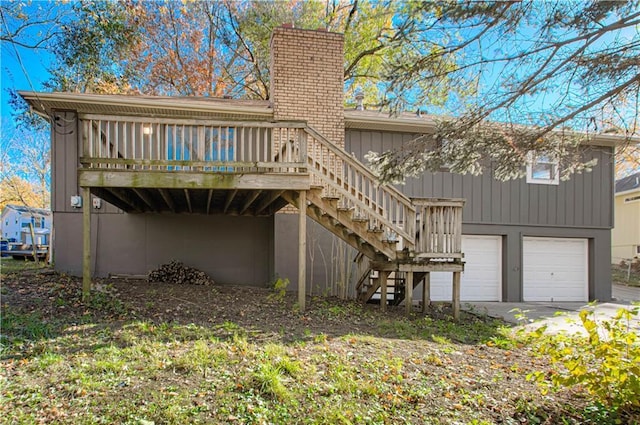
605	362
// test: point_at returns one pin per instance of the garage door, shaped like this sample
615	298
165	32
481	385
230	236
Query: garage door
554	269
481	280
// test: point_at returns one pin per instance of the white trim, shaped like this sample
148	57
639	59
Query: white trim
626	192
555	170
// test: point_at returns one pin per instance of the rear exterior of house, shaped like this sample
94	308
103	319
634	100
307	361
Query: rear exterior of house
524	240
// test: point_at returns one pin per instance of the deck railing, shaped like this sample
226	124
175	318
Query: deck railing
439	227
429	227
191	145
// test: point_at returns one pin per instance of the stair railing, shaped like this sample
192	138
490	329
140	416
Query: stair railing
439	228
386	208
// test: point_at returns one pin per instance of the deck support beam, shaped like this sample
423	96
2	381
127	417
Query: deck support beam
456	295
188	198
146	199
302	250
268	200
168	200
383	290
426	291
227	202
249	200
86	243
408	293
209	197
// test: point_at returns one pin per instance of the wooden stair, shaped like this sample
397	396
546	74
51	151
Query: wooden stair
380	222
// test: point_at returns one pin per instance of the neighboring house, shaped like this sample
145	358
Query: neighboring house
625	237
15	224
207	181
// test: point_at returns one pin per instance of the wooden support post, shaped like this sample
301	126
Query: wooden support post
426	292
456	295
86	243
302	250
34	245
408	293
383	290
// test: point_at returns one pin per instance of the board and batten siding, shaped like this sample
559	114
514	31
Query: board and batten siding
582	201
65	158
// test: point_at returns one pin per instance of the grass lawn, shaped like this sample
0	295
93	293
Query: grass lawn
623	275
143	353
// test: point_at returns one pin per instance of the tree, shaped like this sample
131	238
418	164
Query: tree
566	70
25	167
91	50
222	48
30	29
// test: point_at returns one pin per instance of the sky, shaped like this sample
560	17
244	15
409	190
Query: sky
14	77
30	73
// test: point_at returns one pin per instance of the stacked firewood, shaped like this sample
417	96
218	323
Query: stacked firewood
177	273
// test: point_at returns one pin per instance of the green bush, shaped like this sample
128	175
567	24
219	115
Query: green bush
605	362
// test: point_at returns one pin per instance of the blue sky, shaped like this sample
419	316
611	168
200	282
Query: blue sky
13	76
33	72
35	63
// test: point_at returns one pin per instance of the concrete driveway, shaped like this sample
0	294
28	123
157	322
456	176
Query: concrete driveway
558	316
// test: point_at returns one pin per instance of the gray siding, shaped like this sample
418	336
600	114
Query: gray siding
582	201
329	263
578	208
236	250
64	164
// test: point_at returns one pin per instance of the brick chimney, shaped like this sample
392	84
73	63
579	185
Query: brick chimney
307	79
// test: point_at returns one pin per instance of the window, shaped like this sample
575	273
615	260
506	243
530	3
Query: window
637	250
632	199
542	169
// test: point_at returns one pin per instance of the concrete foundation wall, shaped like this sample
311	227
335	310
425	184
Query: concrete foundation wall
236	250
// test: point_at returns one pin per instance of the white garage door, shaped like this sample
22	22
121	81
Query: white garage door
482	277
554	269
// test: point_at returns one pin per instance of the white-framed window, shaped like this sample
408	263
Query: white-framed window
635	198
542	169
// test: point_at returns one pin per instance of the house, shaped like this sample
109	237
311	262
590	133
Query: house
16	220
139	180
625	237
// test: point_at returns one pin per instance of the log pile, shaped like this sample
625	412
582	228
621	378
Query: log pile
177	273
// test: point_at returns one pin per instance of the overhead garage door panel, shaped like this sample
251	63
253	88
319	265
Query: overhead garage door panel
481	280
555	269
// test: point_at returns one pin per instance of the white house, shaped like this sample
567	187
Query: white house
625	237
15	224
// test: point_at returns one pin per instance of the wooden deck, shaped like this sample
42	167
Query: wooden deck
177	165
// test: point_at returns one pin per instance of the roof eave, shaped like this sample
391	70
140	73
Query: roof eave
36	101
355	120
628	191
